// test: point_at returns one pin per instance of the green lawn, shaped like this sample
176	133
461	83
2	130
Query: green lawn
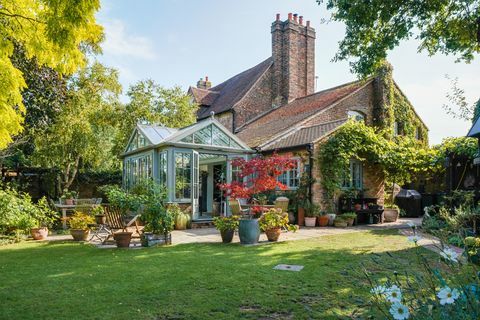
198	281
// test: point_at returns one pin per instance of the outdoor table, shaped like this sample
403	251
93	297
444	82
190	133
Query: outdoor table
65	207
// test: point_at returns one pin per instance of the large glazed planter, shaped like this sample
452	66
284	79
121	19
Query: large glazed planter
249	231
390	215
79	234
310	221
149	239
273	234
331	218
181	221
227	235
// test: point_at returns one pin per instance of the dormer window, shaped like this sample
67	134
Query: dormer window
356	115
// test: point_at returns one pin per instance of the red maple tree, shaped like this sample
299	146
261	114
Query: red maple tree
258	175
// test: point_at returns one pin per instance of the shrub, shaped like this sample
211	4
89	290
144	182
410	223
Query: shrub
275	218
80	220
226	223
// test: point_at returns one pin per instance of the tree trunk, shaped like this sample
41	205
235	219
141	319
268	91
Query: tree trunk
69	177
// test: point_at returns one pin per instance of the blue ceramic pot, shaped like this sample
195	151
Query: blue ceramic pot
249	231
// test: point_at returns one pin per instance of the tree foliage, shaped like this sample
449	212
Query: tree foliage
375	27
459	107
84	130
150	102
56	32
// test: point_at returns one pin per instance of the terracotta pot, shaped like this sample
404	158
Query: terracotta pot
301	216
273	234
390	215
100	219
310	221
39	233
331	218
69	202
227	235
350	221
358	206
79	234
122	239
323	221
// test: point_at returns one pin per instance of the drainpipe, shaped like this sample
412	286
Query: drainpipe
310	148
233	121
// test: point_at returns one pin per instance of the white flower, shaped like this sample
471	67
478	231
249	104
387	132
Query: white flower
399	311
378	290
414	239
449	254
394	294
447	295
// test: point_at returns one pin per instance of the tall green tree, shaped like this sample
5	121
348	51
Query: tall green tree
150	102
83	133
57	33
374	27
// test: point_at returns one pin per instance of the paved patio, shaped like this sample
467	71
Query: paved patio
211	235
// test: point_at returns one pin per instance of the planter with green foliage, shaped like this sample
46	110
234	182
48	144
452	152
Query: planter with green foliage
79	226
323	219
272	222
312	211
181	218
349	217
226	226
68	197
340	222
391	213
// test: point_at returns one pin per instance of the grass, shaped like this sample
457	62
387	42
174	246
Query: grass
199	281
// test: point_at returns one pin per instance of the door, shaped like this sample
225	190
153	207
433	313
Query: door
195	185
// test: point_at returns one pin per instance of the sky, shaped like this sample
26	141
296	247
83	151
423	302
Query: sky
176	42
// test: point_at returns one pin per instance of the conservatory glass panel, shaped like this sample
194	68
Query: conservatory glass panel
162	168
219	138
183	163
203	136
188	139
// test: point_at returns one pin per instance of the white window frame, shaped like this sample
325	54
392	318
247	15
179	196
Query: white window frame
289	178
351	183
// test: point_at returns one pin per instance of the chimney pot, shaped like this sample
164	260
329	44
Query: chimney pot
295	16
301	20
308	23
289	16
206	78
278	16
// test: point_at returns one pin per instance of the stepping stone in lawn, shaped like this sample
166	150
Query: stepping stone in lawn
288	267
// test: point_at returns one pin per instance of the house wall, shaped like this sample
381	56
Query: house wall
226	119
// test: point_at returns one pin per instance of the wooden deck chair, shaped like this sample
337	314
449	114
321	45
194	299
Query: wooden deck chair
116	221
282	203
236	208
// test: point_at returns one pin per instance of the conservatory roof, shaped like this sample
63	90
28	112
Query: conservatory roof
474	131
207	133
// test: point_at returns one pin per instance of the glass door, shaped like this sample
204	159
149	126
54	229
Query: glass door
195	184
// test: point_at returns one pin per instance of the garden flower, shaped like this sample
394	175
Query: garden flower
447	295
414	239
378	290
399	311
449	254
394	294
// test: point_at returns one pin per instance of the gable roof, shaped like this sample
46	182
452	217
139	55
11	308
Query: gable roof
474	131
262	129
224	96
303	135
156	133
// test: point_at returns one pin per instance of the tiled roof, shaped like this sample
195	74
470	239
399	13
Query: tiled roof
262	129
224	96
304	135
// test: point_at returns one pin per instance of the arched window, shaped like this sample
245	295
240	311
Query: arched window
356	115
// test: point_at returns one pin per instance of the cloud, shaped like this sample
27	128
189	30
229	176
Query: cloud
118	42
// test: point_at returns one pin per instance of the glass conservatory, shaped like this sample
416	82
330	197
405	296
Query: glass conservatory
191	162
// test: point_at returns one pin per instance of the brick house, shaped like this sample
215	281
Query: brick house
273	107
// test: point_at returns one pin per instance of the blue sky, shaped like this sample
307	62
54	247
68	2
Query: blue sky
175	42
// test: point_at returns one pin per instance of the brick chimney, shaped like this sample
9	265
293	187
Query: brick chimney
204	84
293	52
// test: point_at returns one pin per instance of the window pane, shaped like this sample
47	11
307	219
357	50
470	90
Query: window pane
182	175
188	139
219	138
204	136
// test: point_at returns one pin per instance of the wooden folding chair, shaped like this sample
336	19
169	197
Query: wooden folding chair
116	221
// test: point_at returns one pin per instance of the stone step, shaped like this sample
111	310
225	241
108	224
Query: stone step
202	224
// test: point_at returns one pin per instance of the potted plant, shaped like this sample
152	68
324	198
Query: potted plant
68	197
42	218
226	226
261	177
79	226
340	222
99	214
349	218
272	223
311	213
323	219
390	213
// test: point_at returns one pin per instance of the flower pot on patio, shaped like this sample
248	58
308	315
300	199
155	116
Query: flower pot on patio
80	234
340	223
100	219
390	215
150	239
273	234
122	239
331	218
39	233
323	221
301	216
69	202
227	235
181	221
310	221
249	231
